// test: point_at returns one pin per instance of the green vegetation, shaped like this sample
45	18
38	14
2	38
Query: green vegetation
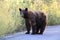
10	20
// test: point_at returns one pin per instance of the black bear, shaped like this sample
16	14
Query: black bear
36	20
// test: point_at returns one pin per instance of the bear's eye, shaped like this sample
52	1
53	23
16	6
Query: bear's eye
21	13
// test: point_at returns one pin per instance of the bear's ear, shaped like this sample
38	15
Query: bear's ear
20	9
26	9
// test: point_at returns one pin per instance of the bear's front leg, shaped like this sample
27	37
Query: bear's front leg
33	26
28	26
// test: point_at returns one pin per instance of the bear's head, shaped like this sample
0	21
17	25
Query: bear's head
24	12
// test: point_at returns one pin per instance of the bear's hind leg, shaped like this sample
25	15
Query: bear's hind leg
42	29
